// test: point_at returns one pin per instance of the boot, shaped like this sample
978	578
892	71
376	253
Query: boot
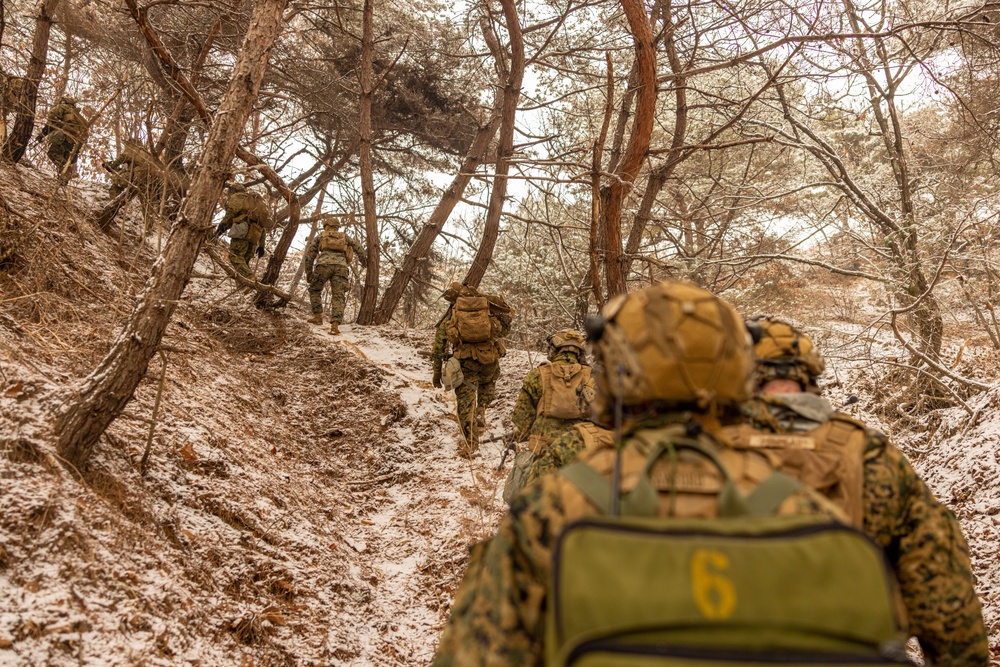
317	318
334	328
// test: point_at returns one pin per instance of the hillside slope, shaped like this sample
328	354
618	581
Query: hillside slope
302	502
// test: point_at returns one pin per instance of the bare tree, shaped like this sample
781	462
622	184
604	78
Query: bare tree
17	141
511	95
100	397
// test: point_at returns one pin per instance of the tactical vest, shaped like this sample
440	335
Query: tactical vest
828	458
560	386
716	559
335	241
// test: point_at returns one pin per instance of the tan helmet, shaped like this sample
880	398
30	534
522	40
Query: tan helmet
784	352
566	339
457	289
331	221
671	342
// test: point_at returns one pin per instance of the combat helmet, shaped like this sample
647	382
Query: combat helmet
784	352
672	343
331	221
457	289
570	339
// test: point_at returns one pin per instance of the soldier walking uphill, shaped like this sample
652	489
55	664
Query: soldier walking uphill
863	472
328	260
247	218
554	397
468	337
64	129
689	513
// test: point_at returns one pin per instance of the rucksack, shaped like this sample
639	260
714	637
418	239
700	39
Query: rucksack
750	586
250	206
334	241
560	383
470	320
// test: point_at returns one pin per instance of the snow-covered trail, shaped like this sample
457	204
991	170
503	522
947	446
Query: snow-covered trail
414	527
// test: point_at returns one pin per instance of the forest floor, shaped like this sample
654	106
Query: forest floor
302	503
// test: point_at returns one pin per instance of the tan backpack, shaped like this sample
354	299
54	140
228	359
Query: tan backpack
828	459
335	241
560	384
250	206
470	320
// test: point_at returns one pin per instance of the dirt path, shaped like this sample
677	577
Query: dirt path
414	526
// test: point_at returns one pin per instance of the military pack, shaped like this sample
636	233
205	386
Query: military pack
335	241
561	387
711	561
251	207
470	320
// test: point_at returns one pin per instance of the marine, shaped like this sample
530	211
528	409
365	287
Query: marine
471	333
328	260
682	362
246	220
65	128
137	172
499	613
553	398
921	537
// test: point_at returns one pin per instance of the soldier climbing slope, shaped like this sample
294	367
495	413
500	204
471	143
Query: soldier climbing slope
469	337
871	479
65	128
553	398
138	172
673	363
247	219
328	259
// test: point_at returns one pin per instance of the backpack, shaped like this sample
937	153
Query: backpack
744	584
470	321
250	206
334	241
828	458
560	386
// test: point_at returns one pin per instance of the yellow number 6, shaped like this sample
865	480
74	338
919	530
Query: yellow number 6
714	593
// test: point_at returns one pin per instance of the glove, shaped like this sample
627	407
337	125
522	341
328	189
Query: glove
220	230
260	251
436	380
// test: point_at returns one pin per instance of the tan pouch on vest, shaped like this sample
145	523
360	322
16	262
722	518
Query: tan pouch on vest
559	390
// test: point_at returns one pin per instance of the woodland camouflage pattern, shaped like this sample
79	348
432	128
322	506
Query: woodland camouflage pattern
478	389
923	542
64	129
527	421
241	253
498	615
330	266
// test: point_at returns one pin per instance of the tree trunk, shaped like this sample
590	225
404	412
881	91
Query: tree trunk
511	96
100	397
638	143
17	142
595	187
369	293
425	239
313	228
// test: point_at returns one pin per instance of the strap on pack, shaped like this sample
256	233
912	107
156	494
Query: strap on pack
644	498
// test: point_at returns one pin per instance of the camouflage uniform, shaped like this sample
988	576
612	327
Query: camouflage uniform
499	610
64	129
478	388
920	536
527	422
241	251
332	267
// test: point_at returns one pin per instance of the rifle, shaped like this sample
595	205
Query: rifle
509	439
